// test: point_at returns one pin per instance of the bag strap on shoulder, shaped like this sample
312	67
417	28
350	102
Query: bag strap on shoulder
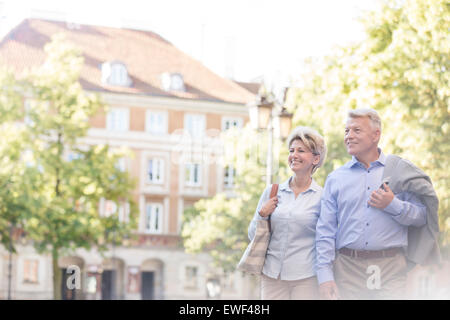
273	193
274	190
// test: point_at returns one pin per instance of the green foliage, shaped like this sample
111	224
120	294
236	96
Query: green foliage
401	69
55	181
220	224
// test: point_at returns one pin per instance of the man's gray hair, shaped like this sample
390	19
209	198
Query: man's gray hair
312	140
373	116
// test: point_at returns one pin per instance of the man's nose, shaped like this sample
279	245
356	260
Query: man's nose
349	134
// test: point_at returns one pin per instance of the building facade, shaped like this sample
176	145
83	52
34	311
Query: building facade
168	110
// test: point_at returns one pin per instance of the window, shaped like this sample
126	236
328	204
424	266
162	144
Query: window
31	271
172	82
117	120
121	164
153	218
191	277
156	122
195	125
228	123
124	212
107	207
115	73
193	174
229	175
155	171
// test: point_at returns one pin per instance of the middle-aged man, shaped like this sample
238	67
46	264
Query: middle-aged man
363	229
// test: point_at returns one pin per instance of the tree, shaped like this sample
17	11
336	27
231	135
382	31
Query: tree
401	69
219	224
73	177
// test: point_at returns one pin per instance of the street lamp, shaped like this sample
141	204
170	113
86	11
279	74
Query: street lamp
265	115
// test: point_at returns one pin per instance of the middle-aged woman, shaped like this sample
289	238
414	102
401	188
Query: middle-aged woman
288	271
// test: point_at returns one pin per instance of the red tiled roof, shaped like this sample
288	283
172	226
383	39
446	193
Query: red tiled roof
145	54
253	87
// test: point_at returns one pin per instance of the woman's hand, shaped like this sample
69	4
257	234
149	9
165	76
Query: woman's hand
268	207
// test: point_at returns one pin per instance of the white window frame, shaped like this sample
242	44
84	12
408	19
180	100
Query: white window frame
115	73
189	172
234	122
228	182
119	75
29	262
172	82
107	207
118	119
122	164
153	211
124	212
158	177
195	125
160	128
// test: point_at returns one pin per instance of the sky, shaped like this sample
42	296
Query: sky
246	40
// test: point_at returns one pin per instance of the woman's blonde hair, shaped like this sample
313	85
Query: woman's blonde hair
312	140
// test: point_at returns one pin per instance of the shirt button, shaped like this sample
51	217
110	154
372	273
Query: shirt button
367	243
367	224
368	188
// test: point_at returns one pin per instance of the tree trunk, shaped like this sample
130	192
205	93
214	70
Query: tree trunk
57	276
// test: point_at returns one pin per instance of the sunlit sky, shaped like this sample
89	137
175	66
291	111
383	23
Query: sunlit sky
241	39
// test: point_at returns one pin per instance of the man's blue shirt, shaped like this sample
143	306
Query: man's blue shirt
346	220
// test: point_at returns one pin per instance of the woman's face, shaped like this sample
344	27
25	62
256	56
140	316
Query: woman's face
301	159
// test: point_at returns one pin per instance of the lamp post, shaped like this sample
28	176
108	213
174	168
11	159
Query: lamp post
267	115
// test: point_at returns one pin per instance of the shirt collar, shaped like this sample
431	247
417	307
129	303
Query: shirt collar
285	185
381	160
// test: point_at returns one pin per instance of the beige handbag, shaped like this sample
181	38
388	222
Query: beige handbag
252	260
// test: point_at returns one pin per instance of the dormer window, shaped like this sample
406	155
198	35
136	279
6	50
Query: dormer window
116	74
172	82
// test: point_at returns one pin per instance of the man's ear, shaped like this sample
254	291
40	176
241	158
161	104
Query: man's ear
377	135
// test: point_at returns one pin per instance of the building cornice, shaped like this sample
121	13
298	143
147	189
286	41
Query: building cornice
172	103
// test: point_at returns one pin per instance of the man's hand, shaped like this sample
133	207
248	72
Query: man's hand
329	291
381	198
268	207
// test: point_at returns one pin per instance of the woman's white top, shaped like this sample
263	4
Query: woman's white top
291	253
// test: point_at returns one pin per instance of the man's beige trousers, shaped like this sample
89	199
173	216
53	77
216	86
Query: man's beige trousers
366	279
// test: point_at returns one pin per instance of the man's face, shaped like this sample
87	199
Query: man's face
360	137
